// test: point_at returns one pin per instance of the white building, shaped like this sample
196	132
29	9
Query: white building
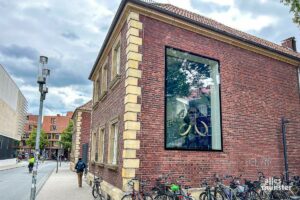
13	107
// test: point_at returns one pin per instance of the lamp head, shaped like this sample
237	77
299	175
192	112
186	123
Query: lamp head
43	59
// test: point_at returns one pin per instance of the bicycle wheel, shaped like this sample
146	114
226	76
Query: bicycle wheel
95	193
163	197
147	197
205	196
129	197
253	195
218	195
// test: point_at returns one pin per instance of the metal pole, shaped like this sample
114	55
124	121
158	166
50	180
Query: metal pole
57	163
283	126
37	145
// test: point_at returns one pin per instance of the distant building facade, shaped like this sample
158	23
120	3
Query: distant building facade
30	125
53	127
81	134
13	107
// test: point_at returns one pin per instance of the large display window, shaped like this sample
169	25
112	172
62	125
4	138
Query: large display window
192	117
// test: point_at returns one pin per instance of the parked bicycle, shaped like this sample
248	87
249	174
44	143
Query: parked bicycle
137	195
96	191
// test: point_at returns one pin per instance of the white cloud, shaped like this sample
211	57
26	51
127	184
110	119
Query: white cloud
243	21
221	2
58	100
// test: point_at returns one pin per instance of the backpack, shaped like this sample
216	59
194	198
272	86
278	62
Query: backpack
80	166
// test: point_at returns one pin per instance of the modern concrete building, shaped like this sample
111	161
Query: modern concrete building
53	127
176	92
13	107
81	135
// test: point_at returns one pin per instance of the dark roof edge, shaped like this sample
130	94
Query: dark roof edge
153	7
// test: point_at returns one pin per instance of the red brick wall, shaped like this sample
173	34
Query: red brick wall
255	92
85	129
107	109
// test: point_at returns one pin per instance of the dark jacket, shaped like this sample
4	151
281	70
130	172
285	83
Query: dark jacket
80	166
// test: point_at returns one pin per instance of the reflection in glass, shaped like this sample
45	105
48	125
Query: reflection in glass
192	102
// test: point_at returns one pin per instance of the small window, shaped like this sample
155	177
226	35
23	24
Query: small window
116	59
57	136
53	128
94	154
104	78
53	120
96	89
49	136
1	142
113	144
101	145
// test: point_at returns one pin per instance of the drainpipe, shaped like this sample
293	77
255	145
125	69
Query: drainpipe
283	128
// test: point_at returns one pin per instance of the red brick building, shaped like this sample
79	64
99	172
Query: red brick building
53	127
175	92
30	124
81	135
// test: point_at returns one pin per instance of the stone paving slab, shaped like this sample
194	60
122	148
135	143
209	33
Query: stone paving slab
63	186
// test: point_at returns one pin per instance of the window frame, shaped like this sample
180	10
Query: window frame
165	103
101	146
94	146
115	65
112	158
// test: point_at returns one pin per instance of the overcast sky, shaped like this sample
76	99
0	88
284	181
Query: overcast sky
71	33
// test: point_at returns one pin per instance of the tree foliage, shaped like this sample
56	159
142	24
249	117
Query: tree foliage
43	139
294	8
66	137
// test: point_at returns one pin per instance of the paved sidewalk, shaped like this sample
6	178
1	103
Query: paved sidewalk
63	186
11	166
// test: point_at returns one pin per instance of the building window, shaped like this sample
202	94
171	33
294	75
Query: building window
53	128
94	153
101	145
53	120
96	89
116	59
57	136
1	142
104	78
192	119
49	136
30	127
113	143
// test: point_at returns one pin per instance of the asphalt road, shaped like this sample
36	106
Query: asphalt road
15	184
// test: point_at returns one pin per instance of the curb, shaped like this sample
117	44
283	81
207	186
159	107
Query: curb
12	167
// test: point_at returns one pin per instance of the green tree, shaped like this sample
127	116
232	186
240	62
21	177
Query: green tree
43	139
66	137
294	8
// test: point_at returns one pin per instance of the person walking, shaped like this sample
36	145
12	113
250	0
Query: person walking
80	167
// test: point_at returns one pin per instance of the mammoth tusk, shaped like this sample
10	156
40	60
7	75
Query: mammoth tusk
187	131
199	132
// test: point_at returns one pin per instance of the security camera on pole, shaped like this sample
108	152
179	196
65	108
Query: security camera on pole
42	76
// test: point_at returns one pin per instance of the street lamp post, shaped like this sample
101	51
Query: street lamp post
42	76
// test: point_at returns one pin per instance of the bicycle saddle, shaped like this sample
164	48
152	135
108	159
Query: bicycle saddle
187	187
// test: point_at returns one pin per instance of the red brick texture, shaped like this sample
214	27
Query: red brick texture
107	109
256	91
85	129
